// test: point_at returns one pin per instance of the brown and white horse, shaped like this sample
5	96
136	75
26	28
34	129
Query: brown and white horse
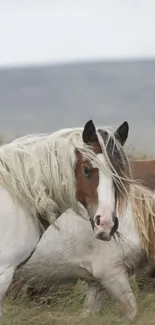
78	254
42	176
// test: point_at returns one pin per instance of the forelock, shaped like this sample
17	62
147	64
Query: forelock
115	153
118	166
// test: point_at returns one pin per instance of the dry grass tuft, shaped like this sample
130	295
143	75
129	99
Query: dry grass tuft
66	309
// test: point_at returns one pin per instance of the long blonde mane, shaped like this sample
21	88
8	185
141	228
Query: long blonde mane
38	171
143	204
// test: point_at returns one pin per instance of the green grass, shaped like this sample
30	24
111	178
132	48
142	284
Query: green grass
65	309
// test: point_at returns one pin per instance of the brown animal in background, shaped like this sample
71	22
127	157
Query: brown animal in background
144	172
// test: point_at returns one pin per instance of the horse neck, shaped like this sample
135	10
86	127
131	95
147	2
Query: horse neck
128	228
138	224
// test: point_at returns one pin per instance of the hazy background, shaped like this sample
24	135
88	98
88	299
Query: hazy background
63	62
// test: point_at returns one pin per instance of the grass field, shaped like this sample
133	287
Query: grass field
66	309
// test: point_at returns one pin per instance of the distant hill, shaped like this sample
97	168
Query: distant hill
43	99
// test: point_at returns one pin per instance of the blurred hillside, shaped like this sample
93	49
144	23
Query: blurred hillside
44	99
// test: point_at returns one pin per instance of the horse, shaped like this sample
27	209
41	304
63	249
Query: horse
43	175
79	254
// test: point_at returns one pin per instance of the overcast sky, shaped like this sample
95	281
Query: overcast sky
42	31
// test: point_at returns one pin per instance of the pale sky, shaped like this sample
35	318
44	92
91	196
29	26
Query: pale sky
54	31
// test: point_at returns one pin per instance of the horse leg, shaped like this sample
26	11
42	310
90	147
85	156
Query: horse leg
117	285
19	235
94	299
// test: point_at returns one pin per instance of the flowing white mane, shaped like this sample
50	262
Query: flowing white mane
38	171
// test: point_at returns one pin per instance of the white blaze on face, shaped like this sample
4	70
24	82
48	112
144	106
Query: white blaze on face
106	201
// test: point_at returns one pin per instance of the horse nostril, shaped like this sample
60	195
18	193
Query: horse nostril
115	227
98	220
115	220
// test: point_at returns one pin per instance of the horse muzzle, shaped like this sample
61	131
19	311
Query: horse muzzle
102	233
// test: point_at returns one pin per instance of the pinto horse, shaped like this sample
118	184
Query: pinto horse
78	254
42	176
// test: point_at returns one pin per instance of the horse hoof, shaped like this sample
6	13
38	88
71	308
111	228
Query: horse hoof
132	315
85	313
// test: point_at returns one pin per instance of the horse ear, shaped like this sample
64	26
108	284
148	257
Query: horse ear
89	133
121	133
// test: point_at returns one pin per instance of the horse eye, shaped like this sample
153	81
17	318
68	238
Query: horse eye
87	171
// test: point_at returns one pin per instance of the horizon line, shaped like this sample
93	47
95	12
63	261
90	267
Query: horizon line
63	63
